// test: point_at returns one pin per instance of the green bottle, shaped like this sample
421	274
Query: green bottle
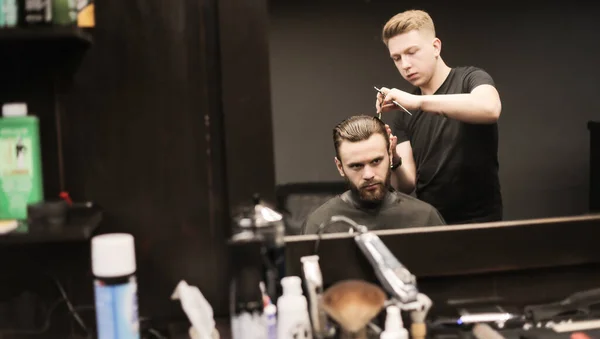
20	162
64	12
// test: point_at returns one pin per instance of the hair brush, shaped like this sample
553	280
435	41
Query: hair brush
353	304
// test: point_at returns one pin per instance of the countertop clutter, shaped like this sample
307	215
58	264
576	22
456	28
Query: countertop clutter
435	331
363	304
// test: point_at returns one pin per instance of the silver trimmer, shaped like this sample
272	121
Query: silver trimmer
393	276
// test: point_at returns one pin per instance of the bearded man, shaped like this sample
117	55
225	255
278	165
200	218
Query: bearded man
364	159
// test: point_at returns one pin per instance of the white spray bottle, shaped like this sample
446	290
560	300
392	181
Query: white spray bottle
394	328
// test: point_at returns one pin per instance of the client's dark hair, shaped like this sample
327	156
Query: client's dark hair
358	128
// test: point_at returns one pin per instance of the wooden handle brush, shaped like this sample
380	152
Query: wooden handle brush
353	304
418	328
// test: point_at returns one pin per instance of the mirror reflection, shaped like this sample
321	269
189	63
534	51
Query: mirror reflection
482	124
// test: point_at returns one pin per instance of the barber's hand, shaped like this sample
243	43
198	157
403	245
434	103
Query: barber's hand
385	101
379	103
393	144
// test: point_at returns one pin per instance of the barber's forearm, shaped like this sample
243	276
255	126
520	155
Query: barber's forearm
464	107
403	180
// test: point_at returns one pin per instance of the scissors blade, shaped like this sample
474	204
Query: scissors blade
394	101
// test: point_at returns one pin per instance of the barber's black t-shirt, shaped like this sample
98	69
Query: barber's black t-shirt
457	162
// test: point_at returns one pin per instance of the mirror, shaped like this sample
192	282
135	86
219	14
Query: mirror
326	56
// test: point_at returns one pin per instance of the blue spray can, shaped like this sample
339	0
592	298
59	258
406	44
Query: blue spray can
115	286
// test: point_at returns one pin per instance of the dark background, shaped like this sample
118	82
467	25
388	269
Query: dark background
166	123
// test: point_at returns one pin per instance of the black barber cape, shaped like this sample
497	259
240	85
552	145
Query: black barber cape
398	210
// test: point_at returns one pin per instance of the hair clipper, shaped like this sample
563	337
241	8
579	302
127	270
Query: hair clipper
393	276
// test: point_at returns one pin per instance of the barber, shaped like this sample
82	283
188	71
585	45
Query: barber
449	145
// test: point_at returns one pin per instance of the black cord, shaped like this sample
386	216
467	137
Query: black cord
156	333
334	219
47	322
74	310
85	308
148	329
74	313
322	228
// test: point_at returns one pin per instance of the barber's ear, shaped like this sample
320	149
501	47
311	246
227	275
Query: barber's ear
437	46
338	164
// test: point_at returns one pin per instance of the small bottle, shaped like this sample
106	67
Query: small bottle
37	12
8	13
293	321
270	313
86	13
11	13
394	328
115	286
64	12
2	14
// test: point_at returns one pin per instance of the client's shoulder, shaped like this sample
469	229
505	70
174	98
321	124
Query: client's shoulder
330	206
417	212
323	213
410	200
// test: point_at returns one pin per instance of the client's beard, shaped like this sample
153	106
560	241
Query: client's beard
371	198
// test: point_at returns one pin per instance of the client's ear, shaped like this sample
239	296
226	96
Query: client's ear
338	164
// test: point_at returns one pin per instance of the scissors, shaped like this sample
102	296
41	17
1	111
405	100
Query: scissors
395	103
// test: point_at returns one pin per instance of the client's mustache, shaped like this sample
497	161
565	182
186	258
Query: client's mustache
371	184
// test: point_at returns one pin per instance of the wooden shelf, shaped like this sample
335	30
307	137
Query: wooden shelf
50	33
81	226
32	62
29	53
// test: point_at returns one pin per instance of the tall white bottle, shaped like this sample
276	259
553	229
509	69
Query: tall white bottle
293	321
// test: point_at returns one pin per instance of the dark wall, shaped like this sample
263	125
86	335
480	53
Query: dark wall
137	130
145	137
327	56
246	99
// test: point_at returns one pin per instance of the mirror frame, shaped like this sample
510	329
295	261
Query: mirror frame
459	250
